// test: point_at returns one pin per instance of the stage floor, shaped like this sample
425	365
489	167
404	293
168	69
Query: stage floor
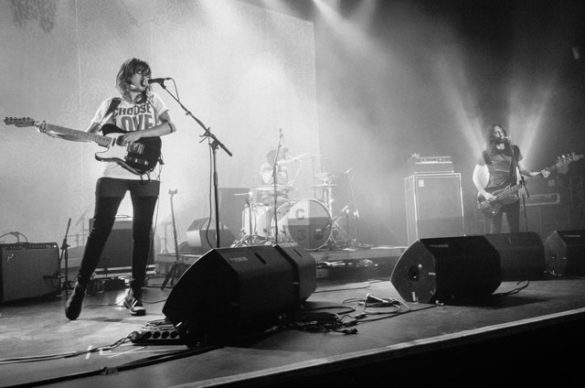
419	345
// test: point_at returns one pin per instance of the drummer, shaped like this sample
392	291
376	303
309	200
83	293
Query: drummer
265	193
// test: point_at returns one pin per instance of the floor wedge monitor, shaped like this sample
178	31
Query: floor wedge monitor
230	293
447	270
565	252
521	255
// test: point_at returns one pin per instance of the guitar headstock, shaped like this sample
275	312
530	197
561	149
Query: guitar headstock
563	161
19	121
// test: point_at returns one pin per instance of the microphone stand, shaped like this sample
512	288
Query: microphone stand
214	143
525	194
174	271
275	186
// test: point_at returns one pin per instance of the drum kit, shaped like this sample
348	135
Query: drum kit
307	223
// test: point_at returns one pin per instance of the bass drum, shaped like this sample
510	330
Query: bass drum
307	223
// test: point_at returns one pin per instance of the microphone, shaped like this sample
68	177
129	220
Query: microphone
158	80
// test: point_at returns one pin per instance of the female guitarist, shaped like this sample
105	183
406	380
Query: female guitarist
140	115
497	176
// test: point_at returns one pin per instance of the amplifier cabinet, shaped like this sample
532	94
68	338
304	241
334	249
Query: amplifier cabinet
28	270
434	206
116	258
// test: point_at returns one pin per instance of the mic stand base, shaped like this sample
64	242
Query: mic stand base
174	274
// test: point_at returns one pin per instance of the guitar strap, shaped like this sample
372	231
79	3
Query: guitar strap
113	105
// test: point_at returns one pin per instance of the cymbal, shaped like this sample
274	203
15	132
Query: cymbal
324	185
294	158
271	188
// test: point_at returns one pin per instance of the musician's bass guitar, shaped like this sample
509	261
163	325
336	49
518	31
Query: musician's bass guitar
139	158
511	194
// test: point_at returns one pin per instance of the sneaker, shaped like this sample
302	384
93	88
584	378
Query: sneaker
133	302
75	302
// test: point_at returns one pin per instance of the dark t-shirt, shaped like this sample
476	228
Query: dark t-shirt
499	163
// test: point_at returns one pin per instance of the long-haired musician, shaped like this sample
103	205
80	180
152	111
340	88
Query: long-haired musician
143	115
496	176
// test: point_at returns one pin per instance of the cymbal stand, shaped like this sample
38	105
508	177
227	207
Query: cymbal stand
347	238
351	209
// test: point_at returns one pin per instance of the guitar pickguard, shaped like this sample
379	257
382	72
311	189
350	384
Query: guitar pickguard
139	158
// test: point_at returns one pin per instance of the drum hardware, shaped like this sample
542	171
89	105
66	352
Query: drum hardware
250	222
343	234
339	237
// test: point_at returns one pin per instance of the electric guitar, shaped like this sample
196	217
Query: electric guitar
139	157
511	194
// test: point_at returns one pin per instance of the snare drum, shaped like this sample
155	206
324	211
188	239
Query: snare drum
308	223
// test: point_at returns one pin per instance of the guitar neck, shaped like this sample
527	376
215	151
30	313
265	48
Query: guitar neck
99	139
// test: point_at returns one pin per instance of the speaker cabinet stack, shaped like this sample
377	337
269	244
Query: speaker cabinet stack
233	292
28	270
565	252
434	206
447	270
232	201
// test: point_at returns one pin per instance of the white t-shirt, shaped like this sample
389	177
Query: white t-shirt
130	117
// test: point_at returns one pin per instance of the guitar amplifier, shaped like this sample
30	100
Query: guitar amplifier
116	258
28	270
430	165
434	206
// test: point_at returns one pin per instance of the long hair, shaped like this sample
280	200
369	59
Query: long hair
489	133
492	141
127	70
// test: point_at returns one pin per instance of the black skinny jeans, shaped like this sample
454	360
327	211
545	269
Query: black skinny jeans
512	213
108	196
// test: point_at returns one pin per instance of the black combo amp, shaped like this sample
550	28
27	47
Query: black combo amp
28	270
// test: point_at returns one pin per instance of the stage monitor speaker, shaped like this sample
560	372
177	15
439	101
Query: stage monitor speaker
117	253
28	270
565	252
447	270
234	292
434	206
202	236
521	255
